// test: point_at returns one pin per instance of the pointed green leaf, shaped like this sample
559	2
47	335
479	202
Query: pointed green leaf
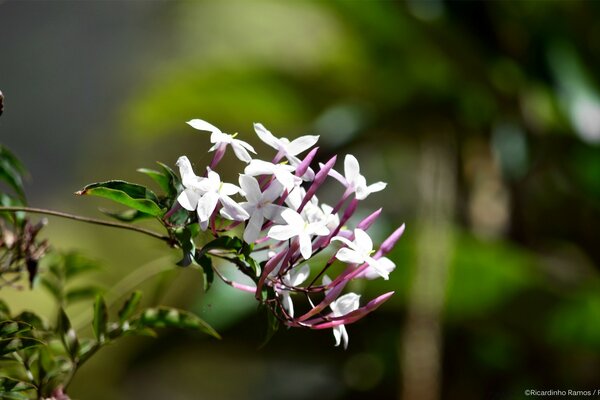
12	344
13	328
100	318
131	195
224	243
158	177
82	293
68	335
4	310
130	306
175	186
11	171
162	317
209	274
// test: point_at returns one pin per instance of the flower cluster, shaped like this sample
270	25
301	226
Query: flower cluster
286	227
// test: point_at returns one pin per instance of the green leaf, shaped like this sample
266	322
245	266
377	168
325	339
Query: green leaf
53	287
10	328
100	318
82	293
11	171
130	306
224	243
10	388
186	243
31	319
127	215
209	274
158	177
68	335
175	186
76	264
12	344
272	327
131	195
163	317
4	310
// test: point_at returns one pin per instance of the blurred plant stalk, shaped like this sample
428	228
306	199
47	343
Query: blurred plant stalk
420	345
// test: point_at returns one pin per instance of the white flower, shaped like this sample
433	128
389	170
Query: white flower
259	205
283	173
240	148
293	278
359	251
354	181
192	184
342	306
289	149
324	214
203	195
297	226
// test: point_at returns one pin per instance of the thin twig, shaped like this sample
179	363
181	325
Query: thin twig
88	220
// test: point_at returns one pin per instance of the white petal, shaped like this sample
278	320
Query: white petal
241	152
299	276
259	167
345	338
274	190
203	125
266	136
337	334
233	210
326	280
384	266
273	213
220	137
251	188
188	177
189	199
349	256
206	205
286	178
282	232
286	300
347	303
253	227
229	189
293	218
301	144
363	241
319	229
351	168
305	245
342	239
245	145
379	268
376	187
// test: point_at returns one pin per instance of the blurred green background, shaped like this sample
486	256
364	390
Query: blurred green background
483	117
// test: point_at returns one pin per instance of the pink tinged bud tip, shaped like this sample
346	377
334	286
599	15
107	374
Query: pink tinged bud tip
319	179
303	166
389	243
368	221
352	316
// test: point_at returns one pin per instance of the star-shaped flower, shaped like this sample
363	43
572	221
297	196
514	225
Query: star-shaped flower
259	205
360	251
354	181
282	172
293	278
220	139
340	307
297	226
283	145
